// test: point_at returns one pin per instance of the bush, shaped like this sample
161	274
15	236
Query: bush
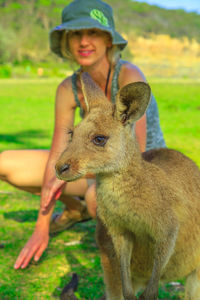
5	71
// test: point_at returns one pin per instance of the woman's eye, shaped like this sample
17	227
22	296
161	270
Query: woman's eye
100	140
92	32
75	33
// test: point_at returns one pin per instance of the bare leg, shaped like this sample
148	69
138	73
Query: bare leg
25	169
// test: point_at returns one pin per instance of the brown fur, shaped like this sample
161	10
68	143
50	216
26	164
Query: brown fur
148	227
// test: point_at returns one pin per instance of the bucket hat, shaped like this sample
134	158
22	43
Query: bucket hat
86	14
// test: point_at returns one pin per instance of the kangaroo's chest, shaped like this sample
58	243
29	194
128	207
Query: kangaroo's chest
119	209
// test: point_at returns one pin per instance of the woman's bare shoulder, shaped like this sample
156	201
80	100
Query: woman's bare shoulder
66	83
65	93
130	73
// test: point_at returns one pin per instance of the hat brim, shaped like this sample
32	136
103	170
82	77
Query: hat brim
82	23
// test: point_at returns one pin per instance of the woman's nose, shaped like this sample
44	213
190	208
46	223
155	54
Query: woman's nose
84	39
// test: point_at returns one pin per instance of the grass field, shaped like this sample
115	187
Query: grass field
27	111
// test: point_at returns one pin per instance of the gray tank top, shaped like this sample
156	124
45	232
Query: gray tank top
154	133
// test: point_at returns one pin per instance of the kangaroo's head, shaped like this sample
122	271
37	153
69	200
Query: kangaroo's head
100	142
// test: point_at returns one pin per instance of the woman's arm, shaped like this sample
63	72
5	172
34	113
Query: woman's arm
64	118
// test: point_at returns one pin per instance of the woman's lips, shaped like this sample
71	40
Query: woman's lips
85	53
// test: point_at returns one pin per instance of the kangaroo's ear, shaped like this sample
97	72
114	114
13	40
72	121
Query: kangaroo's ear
132	101
93	95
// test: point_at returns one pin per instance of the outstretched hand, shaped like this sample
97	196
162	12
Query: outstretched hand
38	242
35	246
51	192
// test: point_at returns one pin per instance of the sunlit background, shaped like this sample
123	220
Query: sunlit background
188	5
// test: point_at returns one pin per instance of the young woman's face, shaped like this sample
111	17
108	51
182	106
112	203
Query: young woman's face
88	46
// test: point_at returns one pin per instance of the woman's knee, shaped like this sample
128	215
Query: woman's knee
9	170
90	198
23	167
5	163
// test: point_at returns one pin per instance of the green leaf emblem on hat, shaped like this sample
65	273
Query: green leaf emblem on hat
99	16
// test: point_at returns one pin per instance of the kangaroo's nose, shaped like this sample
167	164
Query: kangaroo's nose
63	168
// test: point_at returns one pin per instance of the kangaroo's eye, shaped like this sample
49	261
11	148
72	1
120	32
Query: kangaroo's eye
70	132
100	140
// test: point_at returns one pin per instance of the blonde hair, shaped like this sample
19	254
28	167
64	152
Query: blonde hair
113	52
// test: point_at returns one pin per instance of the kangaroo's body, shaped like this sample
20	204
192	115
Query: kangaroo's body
148	225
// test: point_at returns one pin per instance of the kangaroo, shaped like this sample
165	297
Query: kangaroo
148	224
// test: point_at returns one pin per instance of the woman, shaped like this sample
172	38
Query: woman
86	36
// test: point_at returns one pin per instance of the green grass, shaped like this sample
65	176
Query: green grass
27	111
179	107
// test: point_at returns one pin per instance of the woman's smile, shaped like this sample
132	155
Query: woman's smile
85	53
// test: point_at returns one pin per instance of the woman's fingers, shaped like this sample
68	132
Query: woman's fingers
47	201
35	247
58	194
39	252
28	256
24	257
19	260
52	192
46	198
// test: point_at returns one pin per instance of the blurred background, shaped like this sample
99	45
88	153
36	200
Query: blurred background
163	37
